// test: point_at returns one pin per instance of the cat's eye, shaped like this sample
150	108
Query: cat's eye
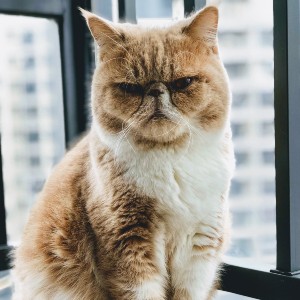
181	83
131	88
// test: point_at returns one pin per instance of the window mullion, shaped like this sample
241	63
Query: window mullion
193	5
287	127
76	61
4	248
3	237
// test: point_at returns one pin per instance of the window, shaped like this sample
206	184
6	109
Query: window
238	187
239	129
268	187
266	38
29	62
30	88
241	158
268	157
241	218
57	18
233	38
267	98
236	69
33	137
239	99
267	128
34	161
26	141
27	38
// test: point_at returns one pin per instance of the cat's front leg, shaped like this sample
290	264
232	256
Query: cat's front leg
132	251
194	268
140	272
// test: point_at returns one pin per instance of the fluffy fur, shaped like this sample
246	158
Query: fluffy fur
138	208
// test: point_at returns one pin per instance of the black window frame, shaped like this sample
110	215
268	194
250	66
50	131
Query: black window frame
284	281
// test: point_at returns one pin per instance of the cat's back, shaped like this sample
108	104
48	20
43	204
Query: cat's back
57	245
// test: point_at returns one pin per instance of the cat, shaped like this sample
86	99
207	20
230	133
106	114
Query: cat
138	208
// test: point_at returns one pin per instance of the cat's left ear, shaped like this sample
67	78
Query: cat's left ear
204	25
103	31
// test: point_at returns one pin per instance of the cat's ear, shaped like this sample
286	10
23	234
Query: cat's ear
102	30
204	25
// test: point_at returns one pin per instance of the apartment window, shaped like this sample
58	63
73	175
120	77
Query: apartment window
30	88
239	99
37	186
267	98
241	158
268	68
241	218
32	111
266	38
267	127
233	38
34	161
238	187
236	69
268	216
29	62
268	157
33	137
239	129
28	38
268	187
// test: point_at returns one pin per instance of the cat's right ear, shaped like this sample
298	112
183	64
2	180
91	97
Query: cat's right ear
103	31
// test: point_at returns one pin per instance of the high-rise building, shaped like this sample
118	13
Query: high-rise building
246	43
31	112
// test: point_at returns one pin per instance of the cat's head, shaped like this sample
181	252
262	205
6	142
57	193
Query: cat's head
156	85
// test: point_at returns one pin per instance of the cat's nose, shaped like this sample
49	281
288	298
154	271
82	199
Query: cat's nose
155	92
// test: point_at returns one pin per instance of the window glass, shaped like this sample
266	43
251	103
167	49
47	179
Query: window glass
154	9
31	112
247	51
239	99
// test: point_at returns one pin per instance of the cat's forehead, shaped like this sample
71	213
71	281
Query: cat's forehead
147	53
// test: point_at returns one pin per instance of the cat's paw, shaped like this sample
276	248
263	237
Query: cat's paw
207	238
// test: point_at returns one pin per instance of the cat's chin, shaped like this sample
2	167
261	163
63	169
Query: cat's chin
148	143
158	134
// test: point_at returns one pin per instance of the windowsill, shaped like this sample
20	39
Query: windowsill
5	285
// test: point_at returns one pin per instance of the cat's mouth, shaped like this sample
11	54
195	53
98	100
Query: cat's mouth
157	115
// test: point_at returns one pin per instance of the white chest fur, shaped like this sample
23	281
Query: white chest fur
188	184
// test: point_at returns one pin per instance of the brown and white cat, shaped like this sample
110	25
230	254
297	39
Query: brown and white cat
138	208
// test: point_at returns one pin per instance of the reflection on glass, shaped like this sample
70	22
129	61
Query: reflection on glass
247	52
31	112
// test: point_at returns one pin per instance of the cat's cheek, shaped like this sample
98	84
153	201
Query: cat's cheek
186	103
121	106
